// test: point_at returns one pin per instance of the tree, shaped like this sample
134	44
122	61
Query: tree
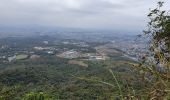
156	64
159	32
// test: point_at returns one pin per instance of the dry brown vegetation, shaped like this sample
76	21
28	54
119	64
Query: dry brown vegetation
76	62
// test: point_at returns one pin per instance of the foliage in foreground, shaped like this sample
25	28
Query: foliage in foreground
37	96
155	66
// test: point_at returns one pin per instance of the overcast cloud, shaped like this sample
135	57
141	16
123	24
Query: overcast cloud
122	15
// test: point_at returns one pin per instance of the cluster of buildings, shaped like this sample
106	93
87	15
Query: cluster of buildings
131	49
48	50
72	54
52	50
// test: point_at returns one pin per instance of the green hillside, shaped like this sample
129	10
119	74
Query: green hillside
60	80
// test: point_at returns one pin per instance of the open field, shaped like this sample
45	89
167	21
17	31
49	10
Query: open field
21	57
76	62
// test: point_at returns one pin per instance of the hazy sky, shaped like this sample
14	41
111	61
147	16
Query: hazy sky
121	15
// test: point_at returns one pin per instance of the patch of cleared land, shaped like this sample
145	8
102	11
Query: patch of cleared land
21	57
76	62
107	50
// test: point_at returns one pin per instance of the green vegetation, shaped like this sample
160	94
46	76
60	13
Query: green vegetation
56	78
156	71
37	96
51	78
